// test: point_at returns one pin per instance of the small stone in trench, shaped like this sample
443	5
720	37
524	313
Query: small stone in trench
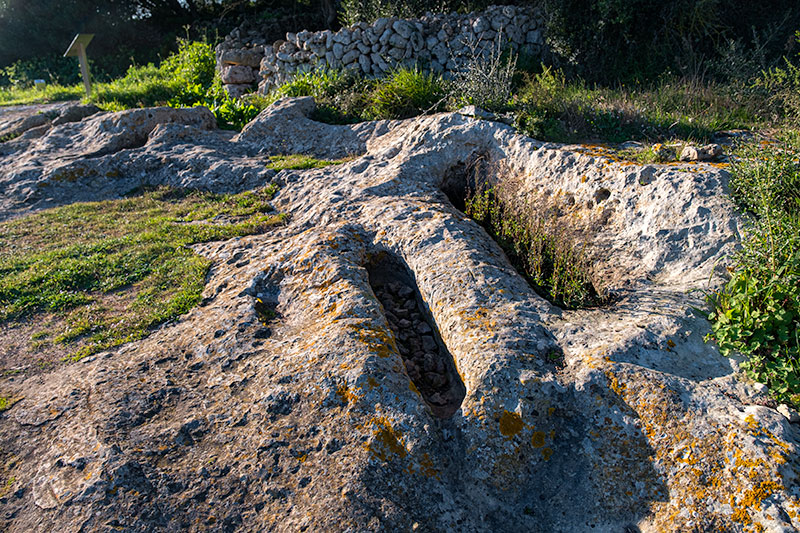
423	328
429	343
436	380
405	292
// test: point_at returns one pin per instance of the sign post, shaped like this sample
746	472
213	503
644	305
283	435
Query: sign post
78	48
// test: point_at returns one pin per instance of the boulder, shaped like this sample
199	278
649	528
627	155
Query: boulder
702	153
237	74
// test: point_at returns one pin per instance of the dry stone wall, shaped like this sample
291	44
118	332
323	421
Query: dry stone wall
439	43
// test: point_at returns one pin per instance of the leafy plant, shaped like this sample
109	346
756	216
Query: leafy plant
406	92
757	313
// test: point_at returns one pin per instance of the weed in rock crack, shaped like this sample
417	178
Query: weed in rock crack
541	249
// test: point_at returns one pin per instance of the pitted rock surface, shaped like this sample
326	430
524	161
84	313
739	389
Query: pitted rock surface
611	419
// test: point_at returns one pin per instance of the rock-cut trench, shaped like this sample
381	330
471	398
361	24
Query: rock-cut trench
428	363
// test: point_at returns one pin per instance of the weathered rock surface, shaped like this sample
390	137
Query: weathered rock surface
701	153
15	121
612	419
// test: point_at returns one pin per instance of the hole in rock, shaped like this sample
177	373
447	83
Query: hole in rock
427	360
536	235
265	304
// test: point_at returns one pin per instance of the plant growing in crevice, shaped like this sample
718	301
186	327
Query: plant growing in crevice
547	253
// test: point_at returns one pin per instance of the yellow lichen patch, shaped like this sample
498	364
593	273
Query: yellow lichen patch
372	382
510	424
705	468
751	500
379	340
537	440
386	443
547	453
347	395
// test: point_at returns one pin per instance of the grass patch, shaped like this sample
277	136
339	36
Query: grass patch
552	108
186	78
757	313
302	162
111	271
5	403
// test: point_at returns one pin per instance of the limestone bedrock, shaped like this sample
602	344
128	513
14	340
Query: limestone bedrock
613	419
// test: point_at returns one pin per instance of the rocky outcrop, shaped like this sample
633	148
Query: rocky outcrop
439	43
320	415
37	119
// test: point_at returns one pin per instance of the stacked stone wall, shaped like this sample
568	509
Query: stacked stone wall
439	43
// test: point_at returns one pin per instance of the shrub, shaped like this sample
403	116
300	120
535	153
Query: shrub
782	85
486	78
193	64
352	11
406	92
757	313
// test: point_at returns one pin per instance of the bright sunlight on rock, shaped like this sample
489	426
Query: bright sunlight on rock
391	356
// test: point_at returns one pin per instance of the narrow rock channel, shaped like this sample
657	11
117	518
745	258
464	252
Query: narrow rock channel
427	361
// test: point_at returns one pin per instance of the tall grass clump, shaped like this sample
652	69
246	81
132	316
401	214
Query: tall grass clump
554	107
407	92
757	312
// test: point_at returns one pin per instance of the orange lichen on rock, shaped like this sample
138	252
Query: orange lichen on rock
386	443
510	424
711	468
347	395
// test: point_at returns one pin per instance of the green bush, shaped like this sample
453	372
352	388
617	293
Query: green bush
757	313
612	40
193	64
352	11
782	85
406	92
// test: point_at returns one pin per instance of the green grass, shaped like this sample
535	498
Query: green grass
184	79
552	108
757	313
406	93
344	97
111	271
301	162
